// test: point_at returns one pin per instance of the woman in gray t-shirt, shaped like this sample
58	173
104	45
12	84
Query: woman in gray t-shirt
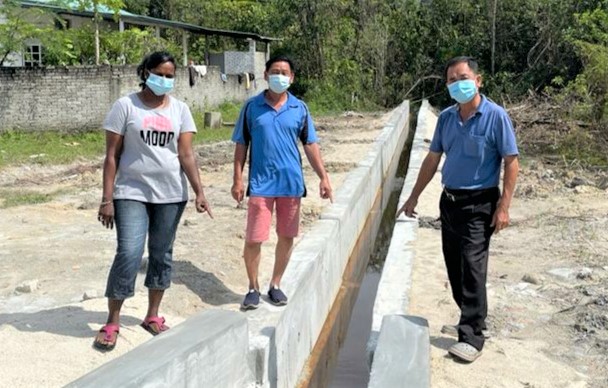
148	159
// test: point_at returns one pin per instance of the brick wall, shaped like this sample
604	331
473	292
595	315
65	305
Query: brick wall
79	97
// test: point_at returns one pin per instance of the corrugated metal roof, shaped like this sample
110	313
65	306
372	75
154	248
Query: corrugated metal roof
72	8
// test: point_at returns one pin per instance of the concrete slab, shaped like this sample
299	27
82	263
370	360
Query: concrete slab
392	296
403	354
351	206
374	162
207	350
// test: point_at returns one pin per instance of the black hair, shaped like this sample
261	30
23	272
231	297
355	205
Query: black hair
152	61
473	65
280	58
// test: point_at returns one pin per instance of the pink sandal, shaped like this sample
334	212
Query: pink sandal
110	330
160	324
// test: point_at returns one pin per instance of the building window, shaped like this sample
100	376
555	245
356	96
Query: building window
33	56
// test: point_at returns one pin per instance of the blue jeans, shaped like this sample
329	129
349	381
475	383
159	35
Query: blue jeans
133	219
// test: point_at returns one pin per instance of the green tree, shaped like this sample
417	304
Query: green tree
588	92
17	25
382	51
131	45
77	46
96	7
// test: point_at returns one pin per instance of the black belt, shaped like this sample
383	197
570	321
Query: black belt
460	195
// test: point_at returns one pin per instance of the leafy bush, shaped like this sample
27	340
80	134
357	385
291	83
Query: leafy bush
77	46
587	95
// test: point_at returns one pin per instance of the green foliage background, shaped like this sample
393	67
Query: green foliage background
358	54
355	54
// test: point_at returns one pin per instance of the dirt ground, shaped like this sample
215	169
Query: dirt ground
547	286
548	277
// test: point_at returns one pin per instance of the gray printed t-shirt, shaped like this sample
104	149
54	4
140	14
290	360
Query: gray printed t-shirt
149	168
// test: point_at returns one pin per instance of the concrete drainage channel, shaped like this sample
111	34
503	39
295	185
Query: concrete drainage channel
339	358
285	347
352	368
395	339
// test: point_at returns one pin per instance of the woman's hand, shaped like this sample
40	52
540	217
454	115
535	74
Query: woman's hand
202	205
105	215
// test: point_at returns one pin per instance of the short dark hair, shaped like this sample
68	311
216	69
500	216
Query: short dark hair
280	58
472	62
152	61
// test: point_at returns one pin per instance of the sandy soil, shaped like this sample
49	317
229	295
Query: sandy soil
549	330
52	254
547	287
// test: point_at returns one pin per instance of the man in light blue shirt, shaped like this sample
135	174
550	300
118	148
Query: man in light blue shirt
476	135
269	128
473	148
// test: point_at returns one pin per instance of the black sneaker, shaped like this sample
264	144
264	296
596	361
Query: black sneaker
252	300
276	296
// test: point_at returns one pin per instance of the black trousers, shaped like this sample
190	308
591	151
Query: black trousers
466	216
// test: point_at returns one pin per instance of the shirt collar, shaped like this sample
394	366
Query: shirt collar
261	99
290	103
481	108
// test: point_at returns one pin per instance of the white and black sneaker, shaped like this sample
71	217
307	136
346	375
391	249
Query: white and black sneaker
252	300
276	296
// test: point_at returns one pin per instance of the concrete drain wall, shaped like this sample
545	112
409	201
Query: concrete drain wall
395	338
277	346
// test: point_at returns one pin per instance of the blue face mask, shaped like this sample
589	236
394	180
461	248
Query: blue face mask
159	85
463	91
278	83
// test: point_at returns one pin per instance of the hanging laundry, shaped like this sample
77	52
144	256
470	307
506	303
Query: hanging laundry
247	83
201	70
191	75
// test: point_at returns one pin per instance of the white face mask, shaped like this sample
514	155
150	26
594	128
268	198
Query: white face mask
278	83
463	91
159	85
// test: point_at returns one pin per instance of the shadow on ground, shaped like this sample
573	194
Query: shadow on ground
442	342
206	285
70	321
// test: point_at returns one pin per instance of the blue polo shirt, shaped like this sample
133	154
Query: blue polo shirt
474	149
275	163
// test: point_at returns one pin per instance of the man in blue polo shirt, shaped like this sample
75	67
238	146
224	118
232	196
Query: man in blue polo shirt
476	135
269	127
